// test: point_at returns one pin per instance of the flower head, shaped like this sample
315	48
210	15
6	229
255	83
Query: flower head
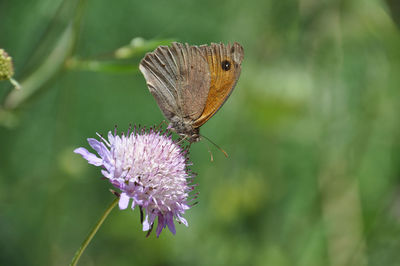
6	66
151	171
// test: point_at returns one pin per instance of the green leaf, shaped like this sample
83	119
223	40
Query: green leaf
139	47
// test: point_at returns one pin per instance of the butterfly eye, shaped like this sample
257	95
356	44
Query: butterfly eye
226	65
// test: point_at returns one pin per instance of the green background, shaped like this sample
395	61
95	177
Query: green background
312	131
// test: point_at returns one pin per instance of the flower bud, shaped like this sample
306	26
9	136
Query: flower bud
6	66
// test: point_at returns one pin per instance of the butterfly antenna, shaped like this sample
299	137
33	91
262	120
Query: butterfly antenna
209	151
182	139
218	147
159	125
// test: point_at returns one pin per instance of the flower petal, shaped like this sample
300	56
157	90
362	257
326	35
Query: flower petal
90	157
161	225
123	201
146	224
170	222
110	138
100	148
183	220
106	174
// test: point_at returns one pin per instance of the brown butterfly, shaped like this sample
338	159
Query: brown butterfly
190	83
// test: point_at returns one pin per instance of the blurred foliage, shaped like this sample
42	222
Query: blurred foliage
312	132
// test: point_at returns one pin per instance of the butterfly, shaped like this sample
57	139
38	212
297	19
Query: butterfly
190	83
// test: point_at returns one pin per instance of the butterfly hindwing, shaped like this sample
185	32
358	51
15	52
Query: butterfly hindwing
224	63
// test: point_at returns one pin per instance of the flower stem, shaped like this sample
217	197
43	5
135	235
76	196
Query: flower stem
92	233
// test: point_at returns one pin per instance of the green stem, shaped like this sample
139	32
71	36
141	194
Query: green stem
92	233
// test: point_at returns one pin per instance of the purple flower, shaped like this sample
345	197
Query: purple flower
150	169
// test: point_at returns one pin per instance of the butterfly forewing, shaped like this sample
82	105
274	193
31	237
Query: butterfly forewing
196	84
178	78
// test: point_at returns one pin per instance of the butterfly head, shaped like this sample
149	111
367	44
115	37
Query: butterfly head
185	129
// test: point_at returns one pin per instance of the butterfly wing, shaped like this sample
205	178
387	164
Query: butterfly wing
179	80
224	63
